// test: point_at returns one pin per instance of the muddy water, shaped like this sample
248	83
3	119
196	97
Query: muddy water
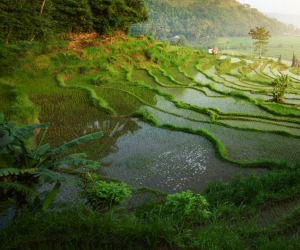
167	160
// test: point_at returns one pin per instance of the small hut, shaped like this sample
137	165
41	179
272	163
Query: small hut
213	51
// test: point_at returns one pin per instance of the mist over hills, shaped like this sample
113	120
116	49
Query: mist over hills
286	18
202	20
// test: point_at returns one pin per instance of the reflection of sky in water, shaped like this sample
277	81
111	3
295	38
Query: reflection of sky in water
166	160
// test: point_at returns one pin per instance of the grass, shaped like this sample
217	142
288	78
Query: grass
231	226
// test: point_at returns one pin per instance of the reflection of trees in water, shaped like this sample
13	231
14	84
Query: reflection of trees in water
112	129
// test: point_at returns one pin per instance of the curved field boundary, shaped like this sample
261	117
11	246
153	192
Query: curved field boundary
97	101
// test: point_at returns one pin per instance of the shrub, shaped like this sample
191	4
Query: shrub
187	206
280	85
104	195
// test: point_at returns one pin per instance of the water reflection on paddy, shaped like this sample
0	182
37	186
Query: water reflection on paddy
167	160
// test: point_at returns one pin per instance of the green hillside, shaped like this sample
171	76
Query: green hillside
203	21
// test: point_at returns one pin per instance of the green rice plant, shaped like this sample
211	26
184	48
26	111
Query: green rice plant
97	101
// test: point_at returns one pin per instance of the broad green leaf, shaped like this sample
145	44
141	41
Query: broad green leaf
75	142
28	131
42	149
51	196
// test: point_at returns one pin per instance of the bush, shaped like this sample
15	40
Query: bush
187	206
104	195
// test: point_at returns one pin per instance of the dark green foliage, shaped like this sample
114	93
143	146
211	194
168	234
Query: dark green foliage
255	191
21	20
117	14
23	166
73	15
30	19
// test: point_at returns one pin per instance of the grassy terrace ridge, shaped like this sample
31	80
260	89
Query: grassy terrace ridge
137	91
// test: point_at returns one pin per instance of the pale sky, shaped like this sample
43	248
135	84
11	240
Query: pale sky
275	6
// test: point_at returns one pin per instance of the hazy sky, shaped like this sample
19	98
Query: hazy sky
275	6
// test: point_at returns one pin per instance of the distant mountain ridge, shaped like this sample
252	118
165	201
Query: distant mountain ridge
202	21
286	18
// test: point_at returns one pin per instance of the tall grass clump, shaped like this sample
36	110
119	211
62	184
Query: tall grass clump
224	65
22	109
255	191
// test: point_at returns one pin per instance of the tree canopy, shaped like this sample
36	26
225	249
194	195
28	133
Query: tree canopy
261	35
28	19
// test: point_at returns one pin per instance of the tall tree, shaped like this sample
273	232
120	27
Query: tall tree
262	36
110	15
73	15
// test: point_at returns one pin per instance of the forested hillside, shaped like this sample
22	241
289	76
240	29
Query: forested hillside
202	21
30	19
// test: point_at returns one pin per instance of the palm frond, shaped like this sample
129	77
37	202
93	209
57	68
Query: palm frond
49	176
71	162
19	188
9	171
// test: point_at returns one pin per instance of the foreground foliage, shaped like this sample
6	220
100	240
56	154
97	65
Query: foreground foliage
156	225
24	165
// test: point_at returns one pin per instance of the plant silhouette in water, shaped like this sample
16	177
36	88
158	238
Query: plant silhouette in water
280	85
23	167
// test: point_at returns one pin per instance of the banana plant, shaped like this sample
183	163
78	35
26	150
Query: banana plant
23	166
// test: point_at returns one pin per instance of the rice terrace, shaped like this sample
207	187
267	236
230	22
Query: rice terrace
206	146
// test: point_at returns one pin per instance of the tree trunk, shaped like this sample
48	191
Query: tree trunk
8	36
42	7
41	12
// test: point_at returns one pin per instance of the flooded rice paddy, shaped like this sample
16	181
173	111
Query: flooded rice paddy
203	110
169	161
